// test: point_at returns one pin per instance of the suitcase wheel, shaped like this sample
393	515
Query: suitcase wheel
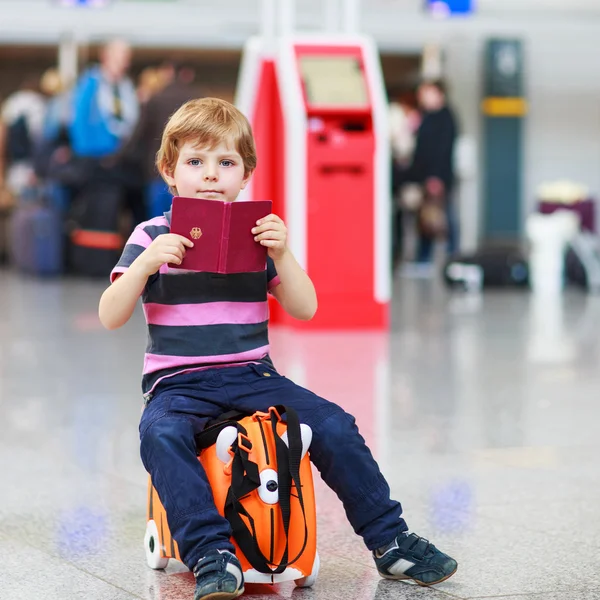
309	581
152	546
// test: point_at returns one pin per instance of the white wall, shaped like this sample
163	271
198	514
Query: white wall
207	22
175	23
562	51
564	126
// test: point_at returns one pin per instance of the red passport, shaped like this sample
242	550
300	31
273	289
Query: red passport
221	232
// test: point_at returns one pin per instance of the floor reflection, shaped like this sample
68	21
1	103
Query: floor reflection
481	410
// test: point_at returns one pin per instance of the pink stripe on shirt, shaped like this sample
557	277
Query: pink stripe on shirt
140	238
157	362
211	313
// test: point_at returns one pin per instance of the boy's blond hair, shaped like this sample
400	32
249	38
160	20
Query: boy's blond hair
206	122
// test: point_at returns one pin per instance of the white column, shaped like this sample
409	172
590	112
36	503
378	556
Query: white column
351	17
268	19
432	62
68	59
331	17
287	13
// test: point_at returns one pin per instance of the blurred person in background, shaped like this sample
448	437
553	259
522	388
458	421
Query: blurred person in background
105	112
58	108
53	149
404	120
150	82
105	104
175	90
21	123
54	144
433	166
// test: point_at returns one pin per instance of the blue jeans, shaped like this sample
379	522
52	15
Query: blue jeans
180	408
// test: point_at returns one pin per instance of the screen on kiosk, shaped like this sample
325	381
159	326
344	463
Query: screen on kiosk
334	81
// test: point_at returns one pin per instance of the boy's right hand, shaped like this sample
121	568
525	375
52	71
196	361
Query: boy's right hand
166	248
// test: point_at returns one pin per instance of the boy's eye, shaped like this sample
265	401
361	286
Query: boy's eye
227	163
194	162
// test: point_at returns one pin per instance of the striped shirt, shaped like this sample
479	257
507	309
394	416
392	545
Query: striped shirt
198	320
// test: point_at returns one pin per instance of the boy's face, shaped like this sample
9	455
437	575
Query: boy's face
212	174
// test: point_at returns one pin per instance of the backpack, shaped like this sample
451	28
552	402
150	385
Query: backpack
18	141
261	478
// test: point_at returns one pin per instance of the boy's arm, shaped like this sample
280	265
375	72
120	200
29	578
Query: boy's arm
295	292
140	260
118	301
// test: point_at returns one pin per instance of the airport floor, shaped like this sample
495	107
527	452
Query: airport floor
483	412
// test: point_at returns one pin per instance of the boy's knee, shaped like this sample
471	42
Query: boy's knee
335	425
167	432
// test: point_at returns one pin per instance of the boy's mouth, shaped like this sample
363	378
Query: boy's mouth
209	193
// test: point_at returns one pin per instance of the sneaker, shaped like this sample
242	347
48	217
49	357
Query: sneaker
412	557
218	576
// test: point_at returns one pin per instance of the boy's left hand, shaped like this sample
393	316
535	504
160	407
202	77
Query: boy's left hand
272	233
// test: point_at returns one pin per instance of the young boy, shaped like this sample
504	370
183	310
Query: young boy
208	353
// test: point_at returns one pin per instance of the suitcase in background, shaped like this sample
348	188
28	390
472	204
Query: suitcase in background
36	240
95	241
492	266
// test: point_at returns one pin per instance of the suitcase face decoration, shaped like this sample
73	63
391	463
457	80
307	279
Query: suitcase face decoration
270	505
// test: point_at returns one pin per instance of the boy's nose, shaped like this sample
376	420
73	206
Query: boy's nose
210	176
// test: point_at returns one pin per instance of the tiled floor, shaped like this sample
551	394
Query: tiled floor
483	413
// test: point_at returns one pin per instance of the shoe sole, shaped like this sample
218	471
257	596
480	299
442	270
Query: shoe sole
421	583
223	595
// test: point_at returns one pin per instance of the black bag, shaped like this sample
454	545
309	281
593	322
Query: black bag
18	141
95	241
494	266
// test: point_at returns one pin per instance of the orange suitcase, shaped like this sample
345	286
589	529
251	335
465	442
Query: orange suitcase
260	473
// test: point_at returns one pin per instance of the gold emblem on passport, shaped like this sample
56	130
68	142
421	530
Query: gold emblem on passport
196	233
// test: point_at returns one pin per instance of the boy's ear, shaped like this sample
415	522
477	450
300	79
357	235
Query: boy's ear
247	178
167	176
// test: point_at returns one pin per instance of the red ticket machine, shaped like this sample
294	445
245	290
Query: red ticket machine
319	114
